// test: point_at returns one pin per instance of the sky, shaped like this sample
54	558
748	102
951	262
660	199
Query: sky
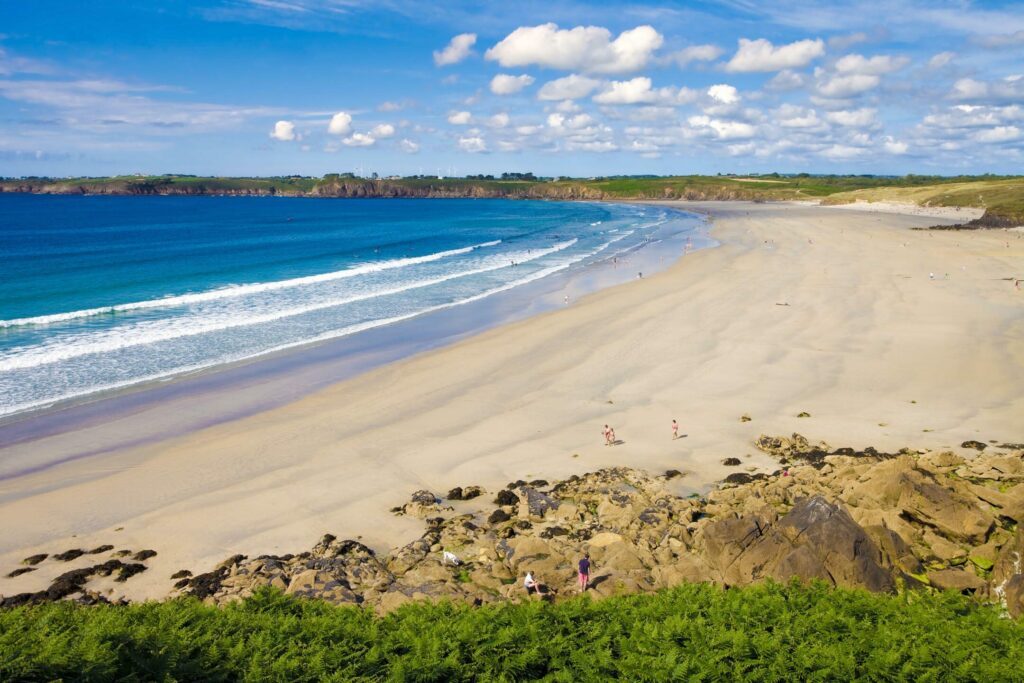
274	87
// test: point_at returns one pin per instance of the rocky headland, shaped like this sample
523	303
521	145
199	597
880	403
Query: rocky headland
884	522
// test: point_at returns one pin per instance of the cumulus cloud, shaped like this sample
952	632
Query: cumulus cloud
584	48
847	85
723	93
409	146
359	140
472	144
573	122
877	65
457	49
696	53
498	120
761	55
723	129
894	146
459	118
505	84
340	124
570	87
786	80
853	118
792	116
627	92
283	131
998	134
383	130
1008	89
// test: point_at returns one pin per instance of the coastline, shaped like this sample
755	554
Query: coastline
787	315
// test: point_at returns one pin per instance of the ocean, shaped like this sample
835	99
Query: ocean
99	293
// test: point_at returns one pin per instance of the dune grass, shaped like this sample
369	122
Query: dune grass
692	632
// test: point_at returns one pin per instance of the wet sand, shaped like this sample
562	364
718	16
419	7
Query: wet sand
801	308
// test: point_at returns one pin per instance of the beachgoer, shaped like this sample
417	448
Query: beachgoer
584	575
531	585
607	431
675	429
611	436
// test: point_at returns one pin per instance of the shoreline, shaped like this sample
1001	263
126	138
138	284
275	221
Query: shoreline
864	334
285	375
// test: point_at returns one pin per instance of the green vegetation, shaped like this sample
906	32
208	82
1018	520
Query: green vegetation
1002	196
693	632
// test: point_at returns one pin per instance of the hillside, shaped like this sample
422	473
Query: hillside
1001	197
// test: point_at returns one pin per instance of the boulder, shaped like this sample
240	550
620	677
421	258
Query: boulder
322	585
731	462
1013	595
956	580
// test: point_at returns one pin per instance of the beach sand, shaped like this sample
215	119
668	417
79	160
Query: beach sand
801	308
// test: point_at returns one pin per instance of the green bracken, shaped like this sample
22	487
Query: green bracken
693	632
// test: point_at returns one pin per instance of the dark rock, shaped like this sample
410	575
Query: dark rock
68	583
143	555
101	549
538	503
35	559
745	418
844	451
1012	446
122	553
976	445
455	493
498	516
732	462
231	562
204	585
672	474
69	555
19	571
553	531
516	484
424	498
803	414
738	478
506	497
539	483
181	574
468	493
127	571
523	524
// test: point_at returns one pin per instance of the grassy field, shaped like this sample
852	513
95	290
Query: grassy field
693	632
1000	197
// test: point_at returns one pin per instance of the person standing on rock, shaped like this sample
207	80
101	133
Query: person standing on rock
584	574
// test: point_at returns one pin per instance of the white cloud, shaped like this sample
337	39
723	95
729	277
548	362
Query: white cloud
843	42
894	146
359	140
724	130
627	92
409	146
877	65
696	53
498	120
457	49
570	87
998	134
853	118
390	106
969	89
528	130
591	146
584	48
792	116
383	130
723	93
283	131
573	122
472	144
1003	39
459	118
567	107
941	59
505	84
761	55
341	124
848	85
842	152
786	80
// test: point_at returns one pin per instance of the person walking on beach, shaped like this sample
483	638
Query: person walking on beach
675	430
607	431
611	436
584	574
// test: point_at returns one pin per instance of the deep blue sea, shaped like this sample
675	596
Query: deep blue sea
104	292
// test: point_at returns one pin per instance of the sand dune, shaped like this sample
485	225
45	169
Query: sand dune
802	308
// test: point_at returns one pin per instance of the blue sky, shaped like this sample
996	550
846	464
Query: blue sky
261	87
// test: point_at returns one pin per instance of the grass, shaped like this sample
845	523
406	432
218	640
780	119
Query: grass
693	632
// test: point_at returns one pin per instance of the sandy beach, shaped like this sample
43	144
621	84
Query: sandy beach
886	336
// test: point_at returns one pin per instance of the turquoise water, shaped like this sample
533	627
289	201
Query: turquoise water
105	292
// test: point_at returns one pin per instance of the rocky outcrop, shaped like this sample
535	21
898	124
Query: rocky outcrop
878	521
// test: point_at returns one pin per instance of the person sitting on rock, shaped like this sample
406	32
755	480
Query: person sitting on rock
531	584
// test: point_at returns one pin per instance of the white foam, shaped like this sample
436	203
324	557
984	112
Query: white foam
154	331
242	290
